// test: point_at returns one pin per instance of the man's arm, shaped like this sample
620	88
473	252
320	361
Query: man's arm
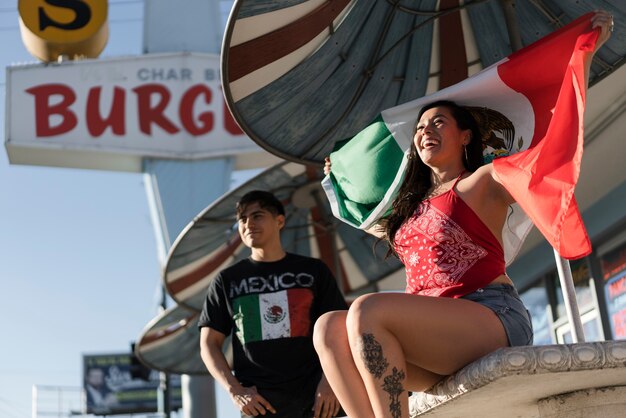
211	343
246	399
326	404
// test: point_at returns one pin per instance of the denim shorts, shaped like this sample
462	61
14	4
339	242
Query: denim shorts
504	300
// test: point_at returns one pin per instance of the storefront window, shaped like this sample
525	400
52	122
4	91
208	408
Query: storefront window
536	301
586	299
591	329
614	275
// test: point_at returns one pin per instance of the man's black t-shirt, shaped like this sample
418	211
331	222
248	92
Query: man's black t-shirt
270	308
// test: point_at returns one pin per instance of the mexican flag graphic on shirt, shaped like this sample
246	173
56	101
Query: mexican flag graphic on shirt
275	315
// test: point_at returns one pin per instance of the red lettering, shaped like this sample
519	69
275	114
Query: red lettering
96	124
617	288
44	110
185	111
148	114
619	324
54	114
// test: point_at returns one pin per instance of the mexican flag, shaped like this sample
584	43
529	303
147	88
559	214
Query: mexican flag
541	91
275	315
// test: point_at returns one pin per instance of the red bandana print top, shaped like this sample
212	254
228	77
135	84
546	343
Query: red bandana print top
446	248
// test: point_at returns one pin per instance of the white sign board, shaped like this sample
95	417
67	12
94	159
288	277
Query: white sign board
109	114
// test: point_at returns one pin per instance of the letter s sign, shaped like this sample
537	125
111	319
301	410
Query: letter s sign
70	28
80	9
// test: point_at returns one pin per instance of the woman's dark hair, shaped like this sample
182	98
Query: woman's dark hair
266	200
417	181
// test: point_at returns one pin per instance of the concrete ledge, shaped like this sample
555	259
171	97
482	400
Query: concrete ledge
514	381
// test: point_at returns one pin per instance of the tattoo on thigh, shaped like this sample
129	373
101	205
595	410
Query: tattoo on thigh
393	386
372	355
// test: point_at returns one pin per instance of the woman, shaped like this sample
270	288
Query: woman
446	227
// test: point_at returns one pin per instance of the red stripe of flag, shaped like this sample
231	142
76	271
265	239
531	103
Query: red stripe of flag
300	301
542	179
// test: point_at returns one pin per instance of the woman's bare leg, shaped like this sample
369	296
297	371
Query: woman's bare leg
438	335
419	380
331	343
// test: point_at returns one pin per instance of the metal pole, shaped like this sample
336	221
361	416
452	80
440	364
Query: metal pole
569	297
163	395
508	7
332	231
34	402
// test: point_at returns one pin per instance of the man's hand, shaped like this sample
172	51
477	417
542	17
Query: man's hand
248	400
326	404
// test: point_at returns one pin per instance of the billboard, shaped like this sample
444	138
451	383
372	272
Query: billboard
110	389
111	113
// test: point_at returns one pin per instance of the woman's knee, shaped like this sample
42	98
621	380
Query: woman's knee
364	313
329	329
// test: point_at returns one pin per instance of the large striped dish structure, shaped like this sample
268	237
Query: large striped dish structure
298	75
171	343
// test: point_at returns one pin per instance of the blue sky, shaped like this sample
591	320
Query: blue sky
78	258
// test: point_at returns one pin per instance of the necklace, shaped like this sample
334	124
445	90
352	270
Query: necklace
441	187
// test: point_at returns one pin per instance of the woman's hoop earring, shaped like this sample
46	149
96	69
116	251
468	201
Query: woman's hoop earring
465	149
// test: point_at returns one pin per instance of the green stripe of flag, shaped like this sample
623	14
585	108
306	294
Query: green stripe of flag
247	318
363	172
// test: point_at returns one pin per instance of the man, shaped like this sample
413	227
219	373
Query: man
269	302
99	397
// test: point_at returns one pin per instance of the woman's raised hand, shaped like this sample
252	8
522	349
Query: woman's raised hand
326	166
603	20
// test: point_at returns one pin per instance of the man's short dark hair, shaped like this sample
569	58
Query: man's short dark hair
266	200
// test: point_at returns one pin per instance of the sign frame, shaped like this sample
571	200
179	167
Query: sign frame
171	87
